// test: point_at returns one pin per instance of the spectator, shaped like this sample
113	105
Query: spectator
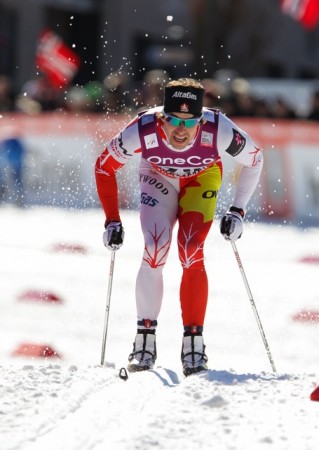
12	153
281	109
262	108
117	91
152	89
214	91
96	95
243	99
77	100
38	95
6	94
314	112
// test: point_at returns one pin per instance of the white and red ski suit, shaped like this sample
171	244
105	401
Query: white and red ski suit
176	186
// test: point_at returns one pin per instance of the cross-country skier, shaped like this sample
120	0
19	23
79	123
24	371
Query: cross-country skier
181	145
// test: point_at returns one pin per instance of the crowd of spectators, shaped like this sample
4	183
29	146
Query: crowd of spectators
117	93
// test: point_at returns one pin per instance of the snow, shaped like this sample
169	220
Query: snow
72	403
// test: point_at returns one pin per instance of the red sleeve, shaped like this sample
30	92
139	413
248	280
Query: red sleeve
117	153
106	184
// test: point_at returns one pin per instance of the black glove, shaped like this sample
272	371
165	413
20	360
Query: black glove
113	235
231	225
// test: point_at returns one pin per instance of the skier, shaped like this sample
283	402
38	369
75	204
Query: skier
181	145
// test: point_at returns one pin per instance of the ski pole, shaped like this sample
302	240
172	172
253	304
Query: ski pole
107	309
252	302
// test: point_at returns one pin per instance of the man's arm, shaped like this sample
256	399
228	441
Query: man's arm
235	142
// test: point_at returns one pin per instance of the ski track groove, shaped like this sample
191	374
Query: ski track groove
113	406
42	386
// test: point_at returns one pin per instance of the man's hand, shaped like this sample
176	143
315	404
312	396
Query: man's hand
231	225
113	235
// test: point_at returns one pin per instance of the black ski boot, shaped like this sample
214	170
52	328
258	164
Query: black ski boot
144	355
193	355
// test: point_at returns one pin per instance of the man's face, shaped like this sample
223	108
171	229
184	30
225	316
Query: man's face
179	136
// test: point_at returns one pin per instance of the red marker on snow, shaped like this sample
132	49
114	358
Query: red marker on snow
315	395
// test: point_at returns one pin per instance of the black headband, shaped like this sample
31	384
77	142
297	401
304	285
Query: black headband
183	99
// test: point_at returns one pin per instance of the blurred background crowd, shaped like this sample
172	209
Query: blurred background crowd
257	59
118	93
103	56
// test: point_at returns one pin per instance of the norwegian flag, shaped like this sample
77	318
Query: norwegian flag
304	11
55	59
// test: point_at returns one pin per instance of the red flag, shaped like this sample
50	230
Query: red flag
55	59
304	11
315	395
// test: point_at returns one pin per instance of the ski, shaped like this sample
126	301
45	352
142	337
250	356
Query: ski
168	376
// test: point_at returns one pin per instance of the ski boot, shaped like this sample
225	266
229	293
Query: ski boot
193	355
143	356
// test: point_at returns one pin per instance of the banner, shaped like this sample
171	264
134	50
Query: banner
55	59
61	150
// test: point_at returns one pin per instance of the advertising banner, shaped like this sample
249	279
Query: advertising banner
61	150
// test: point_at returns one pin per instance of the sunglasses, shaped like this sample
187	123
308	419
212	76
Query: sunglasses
176	121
